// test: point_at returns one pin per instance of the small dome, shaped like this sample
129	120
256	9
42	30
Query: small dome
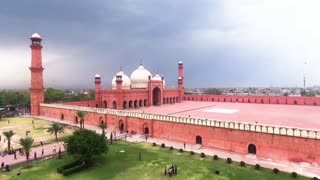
180	62
157	77
140	78
126	83
97	76
36	35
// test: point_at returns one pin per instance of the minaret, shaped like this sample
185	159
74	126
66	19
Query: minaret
304	77
180	81
97	82
36	89
119	91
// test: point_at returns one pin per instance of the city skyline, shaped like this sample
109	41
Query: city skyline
222	43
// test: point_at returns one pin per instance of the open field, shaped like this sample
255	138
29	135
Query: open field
20	125
121	162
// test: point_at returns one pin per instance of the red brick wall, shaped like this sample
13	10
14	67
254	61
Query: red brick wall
269	146
255	99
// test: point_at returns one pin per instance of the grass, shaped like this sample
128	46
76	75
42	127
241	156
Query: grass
20	125
125	165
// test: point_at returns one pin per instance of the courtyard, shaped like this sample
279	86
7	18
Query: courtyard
122	162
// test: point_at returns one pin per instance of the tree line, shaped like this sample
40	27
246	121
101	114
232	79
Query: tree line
22	98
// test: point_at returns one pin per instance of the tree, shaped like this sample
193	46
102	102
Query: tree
213	91
84	144
103	126
53	95
56	128
26	144
9	135
81	115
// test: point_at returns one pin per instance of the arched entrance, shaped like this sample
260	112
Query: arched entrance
114	105
156	96
121	126
62	116
125	105
145	102
105	105
199	140
252	149
101	120
145	128
136	104
140	103
130	104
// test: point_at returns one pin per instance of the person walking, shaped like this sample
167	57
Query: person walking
42	152
54	149
184	145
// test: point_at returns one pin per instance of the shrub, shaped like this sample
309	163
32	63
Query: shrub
154	144
191	153
163	145
181	150
242	163
215	157
257	166
68	166
74	169
171	148
202	155
294	174
315	178
229	160
217	172
276	171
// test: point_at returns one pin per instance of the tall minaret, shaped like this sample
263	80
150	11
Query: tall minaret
180	81
97	82
36	89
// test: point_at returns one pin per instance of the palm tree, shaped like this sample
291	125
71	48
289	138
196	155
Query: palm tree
26	144
103	126
9	135
55	129
81	116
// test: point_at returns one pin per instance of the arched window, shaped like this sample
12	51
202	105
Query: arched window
199	140
252	149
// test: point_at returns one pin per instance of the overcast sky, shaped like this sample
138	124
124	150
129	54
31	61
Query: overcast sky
223	43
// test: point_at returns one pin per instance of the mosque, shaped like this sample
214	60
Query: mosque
278	128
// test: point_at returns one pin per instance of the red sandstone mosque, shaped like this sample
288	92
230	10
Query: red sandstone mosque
279	128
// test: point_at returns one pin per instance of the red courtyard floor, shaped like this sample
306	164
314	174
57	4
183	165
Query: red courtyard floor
269	114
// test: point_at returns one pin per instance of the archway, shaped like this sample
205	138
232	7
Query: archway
130	104
156	96
145	128
140	103
136	104
76	120
168	101
252	149
62	116
199	140
96	105
114	105
121	126
164	101
105	105
145	102
125	105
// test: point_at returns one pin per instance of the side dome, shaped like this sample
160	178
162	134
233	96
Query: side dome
140	78
126	83
157	77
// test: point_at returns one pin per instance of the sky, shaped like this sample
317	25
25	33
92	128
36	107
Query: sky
222	43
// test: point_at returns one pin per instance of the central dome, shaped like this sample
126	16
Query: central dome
126	83
140	78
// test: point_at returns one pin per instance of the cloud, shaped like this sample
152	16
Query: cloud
222	43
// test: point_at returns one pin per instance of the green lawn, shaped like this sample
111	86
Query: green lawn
19	125
125	165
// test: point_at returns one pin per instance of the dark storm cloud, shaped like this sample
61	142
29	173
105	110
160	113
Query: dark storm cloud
82	38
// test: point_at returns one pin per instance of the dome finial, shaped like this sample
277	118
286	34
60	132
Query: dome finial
120	67
140	61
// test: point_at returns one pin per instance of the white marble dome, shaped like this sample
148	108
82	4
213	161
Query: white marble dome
140	78
126	83
36	35
157	77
